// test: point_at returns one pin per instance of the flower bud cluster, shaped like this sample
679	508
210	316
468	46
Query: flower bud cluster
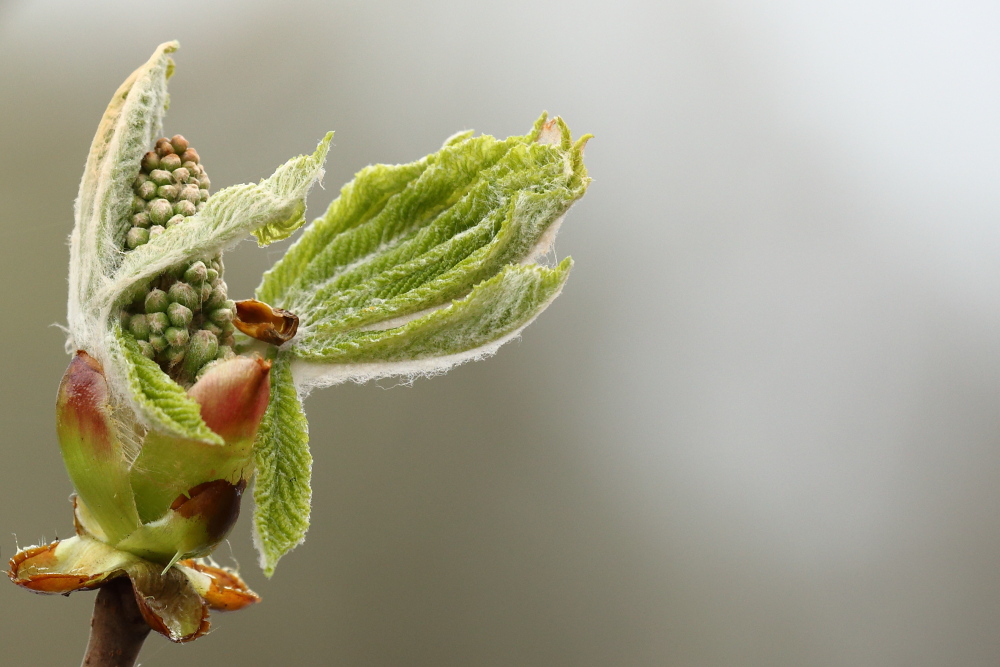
184	320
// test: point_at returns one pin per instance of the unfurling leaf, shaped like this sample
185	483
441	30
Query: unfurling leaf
284	466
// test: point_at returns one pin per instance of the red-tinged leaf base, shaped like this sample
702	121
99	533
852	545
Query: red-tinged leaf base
175	603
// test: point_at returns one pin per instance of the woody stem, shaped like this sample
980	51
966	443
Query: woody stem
117	628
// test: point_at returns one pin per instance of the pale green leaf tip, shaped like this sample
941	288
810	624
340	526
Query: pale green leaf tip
312	163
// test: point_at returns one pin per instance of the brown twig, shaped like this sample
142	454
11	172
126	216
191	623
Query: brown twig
117	629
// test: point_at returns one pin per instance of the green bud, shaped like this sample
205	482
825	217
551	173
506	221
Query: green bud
224	314
196	273
206	291
158	322
212	328
138	204
136	237
170	162
198	207
225	352
175	220
155	231
192	167
161	177
217	298
158	342
140	219
184	207
146	349
167	192
179	316
205	183
156	301
203	194
139	327
184	294
147	190
181	175
203	348
140	179
174	356
160	211
176	336
191	193
150	161
212	275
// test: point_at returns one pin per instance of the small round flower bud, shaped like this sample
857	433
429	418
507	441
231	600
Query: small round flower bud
156	301
139	327
190	155
203	195
225	352
163	147
158	323
147	190
175	220
174	356
179	143
181	175
160	177
205	182
146	349
198	207
179	316
196	273
211	275
191	193
223	315
155	231
168	192
176	336
216	298
139	180
184	207
150	161
170	162
158	342
203	348
191	167
185	295
140	219
138	204
215	329
136	237
160	211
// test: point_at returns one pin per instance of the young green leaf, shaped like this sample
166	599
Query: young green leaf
284	466
404	241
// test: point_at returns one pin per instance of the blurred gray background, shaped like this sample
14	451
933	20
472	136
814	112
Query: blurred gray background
760	426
